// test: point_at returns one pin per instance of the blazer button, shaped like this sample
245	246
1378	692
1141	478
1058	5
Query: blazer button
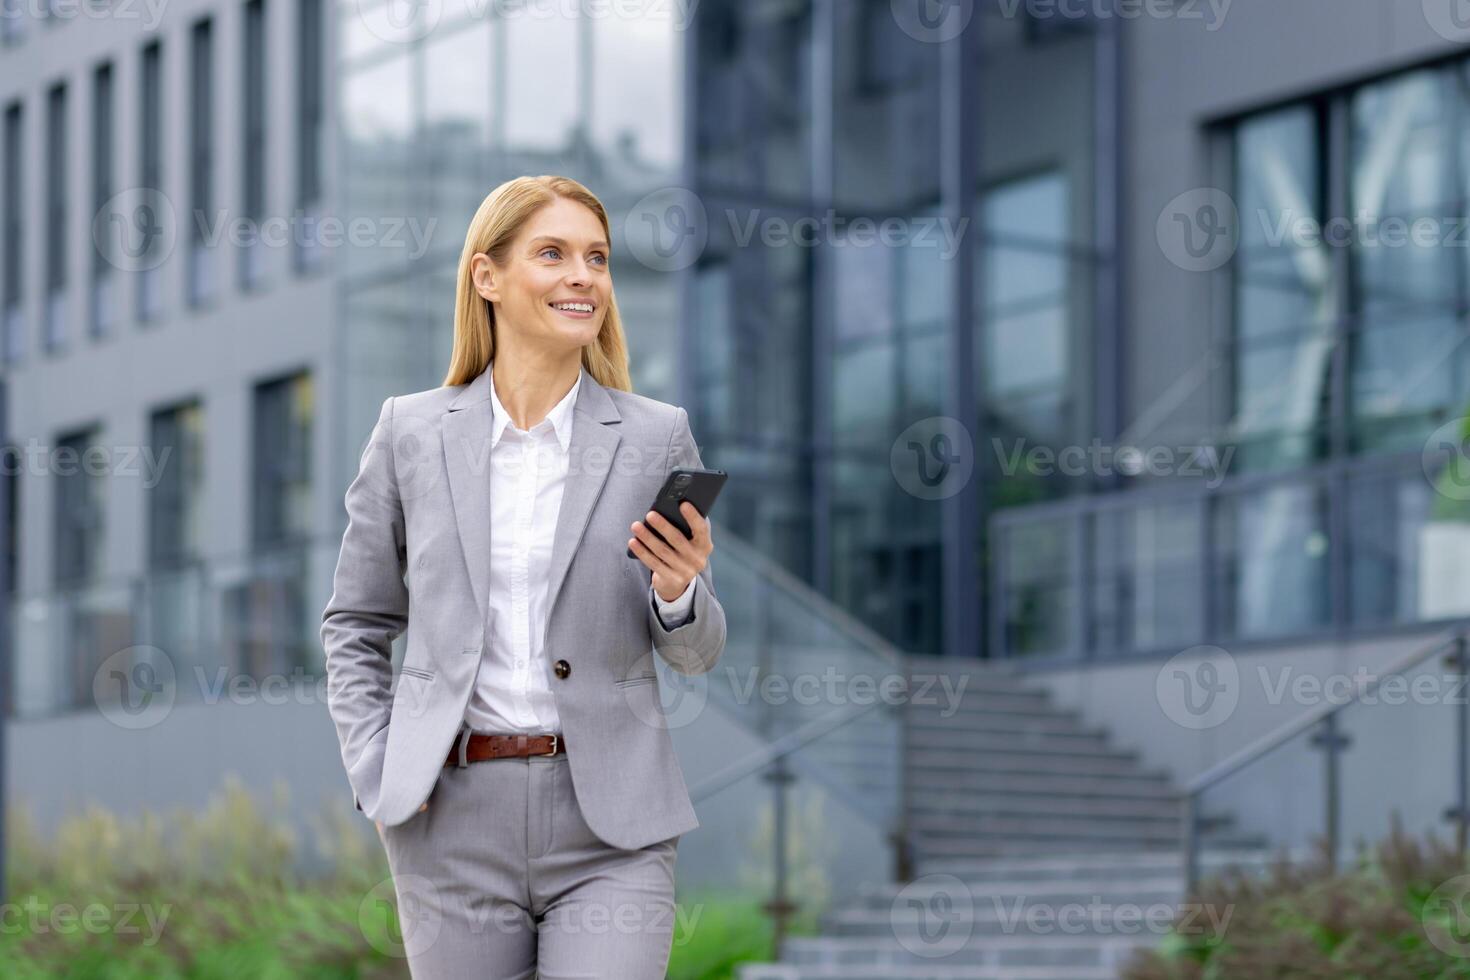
562	668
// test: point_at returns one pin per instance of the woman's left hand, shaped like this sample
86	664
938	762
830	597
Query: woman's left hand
673	565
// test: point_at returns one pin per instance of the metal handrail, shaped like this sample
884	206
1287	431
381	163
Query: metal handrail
1286	732
1456	638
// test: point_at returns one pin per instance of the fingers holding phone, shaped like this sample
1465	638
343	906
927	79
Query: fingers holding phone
673	558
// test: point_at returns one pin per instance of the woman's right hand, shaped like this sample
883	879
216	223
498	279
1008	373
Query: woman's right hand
379	823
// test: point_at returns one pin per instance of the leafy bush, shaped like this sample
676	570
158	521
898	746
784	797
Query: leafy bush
219	894
1394	915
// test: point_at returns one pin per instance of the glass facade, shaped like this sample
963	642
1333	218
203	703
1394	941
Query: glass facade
1344	391
433	120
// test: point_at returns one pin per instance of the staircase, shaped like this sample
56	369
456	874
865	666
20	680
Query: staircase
1042	851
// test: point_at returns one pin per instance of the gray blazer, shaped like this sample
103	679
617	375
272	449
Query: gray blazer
416	556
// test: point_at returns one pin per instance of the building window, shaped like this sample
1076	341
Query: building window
310	130
1025	348
150	172
78	523
56	219
253	133
281	462
12	288
1284	295
175	503
104	293
1380	280
200	280
11	479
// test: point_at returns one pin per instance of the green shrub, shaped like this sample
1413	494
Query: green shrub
1392	915
217	895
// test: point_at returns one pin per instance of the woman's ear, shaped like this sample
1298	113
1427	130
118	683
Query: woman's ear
482	274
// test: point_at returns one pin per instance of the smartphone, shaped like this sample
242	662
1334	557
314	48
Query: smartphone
699	487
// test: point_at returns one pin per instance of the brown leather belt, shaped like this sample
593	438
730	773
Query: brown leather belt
481	746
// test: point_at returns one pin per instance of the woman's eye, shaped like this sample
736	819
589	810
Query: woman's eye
549	248
599	255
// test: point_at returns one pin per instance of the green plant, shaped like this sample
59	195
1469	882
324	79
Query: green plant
1374	920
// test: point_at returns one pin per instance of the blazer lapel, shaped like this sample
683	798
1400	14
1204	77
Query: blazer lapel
466	427
590	456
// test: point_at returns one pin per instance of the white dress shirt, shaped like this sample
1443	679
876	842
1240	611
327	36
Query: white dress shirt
528	471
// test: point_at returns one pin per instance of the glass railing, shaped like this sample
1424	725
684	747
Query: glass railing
250	616
1392	748
826	697
1296	556
820	696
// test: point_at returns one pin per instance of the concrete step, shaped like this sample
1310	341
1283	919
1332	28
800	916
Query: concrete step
1057	825
1064	722
1121	866
940	852
1062	949
927	971
1022	701
1077	889
962	803
1129	784
1018	916
962	740
1038	760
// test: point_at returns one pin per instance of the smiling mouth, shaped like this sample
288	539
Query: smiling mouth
586	310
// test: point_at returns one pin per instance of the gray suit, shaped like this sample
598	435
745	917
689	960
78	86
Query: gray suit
415	556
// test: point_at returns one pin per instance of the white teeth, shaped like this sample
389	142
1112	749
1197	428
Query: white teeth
580	307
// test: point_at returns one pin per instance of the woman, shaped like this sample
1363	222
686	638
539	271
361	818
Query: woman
520	772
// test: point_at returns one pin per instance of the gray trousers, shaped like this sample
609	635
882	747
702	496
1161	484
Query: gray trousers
501	879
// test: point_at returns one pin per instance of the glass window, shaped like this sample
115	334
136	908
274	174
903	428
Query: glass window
12	273
1406	347
1272	549
79	514
1284	294
1409	539
150	148
1147	577
56	217
103	293
254	138
281	461
175	503
1040	595
201	220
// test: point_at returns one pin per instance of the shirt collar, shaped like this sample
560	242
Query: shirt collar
560	415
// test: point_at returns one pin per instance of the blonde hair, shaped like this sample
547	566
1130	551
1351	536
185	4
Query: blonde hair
494	227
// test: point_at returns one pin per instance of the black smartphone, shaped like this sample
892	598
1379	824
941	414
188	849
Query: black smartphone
699	487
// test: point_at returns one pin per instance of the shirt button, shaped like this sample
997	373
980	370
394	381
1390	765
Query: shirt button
563	669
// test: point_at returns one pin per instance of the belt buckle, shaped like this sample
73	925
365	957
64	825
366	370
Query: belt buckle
554	738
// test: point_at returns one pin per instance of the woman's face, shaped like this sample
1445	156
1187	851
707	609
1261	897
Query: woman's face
559	257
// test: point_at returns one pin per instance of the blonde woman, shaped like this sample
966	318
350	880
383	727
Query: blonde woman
518	769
